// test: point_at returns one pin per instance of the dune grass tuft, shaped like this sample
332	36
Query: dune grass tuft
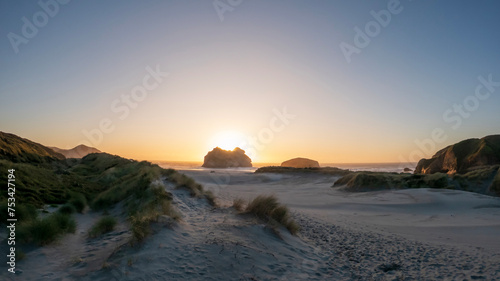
78	201
183	181
147	208
67	209
267	207
46	230
238	204
103	225
210	198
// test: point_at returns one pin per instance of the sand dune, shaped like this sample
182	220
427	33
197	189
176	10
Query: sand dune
438	234
420	234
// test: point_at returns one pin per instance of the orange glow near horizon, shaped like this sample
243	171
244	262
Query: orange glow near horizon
192	146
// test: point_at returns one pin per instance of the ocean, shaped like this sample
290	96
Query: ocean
372	167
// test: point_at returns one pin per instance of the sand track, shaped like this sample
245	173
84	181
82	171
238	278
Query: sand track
386	235
214	244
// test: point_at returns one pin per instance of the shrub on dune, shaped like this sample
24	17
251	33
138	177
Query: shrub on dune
495	185
67	209
46	230
78	201
210	198
65	223
263	205
183	181
267	207
103	225
238	204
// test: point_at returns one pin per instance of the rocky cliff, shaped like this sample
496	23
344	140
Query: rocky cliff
463	156
219	158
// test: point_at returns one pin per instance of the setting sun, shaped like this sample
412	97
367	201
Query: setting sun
227	140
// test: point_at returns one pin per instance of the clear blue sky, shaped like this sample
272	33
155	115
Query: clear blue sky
228	75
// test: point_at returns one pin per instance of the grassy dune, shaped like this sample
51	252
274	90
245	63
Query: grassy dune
368	181
99	181
289	170
480	180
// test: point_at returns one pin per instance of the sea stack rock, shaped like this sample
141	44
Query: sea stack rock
462	156
220	158
300	163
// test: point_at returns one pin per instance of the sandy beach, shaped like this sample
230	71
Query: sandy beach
387	235
429	233
414	234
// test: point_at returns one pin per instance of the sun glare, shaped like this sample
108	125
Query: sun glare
228	140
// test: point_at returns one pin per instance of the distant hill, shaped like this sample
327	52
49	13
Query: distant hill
79	151
463	156
20	150
300	163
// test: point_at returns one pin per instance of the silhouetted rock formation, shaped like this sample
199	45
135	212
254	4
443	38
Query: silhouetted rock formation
76	152
300	163
462	156
219	158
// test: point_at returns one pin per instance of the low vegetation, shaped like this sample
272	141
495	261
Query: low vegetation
210	197
238	204
146	208
495	185
370	181
42	231
195	189
98	180
78	201
101	179
67	209
332	171
183	181
480	180
268	208
477	178
103	225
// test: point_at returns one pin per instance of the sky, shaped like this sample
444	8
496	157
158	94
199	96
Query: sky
335	81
